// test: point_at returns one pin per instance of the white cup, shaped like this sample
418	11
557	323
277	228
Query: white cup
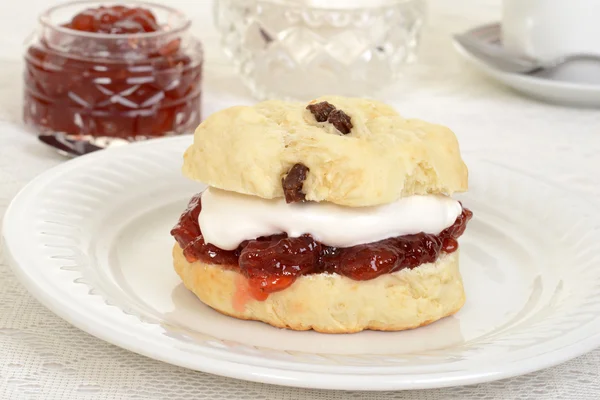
546	29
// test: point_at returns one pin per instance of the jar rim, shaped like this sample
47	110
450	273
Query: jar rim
45	20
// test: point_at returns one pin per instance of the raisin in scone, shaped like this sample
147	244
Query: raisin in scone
334	215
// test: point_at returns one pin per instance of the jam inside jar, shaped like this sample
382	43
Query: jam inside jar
113	69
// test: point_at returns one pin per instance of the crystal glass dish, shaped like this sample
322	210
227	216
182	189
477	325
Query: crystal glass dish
300	49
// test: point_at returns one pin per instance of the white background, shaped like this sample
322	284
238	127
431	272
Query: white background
42	357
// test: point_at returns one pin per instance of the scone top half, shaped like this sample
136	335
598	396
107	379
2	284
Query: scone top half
356	152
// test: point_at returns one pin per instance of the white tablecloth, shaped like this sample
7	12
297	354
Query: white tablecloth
43	357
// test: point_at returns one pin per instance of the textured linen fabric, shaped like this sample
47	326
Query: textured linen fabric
43	357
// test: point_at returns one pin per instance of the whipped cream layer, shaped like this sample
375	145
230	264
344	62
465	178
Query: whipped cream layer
229	218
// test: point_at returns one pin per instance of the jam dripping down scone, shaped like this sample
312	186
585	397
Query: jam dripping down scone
334	215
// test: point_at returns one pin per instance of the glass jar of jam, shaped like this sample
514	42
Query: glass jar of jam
124	70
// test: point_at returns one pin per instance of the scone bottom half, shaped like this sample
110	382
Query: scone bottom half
311	165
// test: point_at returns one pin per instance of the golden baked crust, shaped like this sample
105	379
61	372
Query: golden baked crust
331	303
384	157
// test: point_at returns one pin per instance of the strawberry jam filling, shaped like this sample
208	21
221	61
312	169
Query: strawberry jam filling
273	263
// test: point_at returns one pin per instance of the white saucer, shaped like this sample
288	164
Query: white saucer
90	240
574	84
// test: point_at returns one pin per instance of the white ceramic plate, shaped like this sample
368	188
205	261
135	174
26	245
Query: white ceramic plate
575	84
90	239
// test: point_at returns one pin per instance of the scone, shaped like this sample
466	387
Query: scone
334	215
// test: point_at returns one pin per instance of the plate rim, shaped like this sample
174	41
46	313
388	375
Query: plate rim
514	78
271	375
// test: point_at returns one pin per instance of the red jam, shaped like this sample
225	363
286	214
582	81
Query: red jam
273	263
116	20
113	72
